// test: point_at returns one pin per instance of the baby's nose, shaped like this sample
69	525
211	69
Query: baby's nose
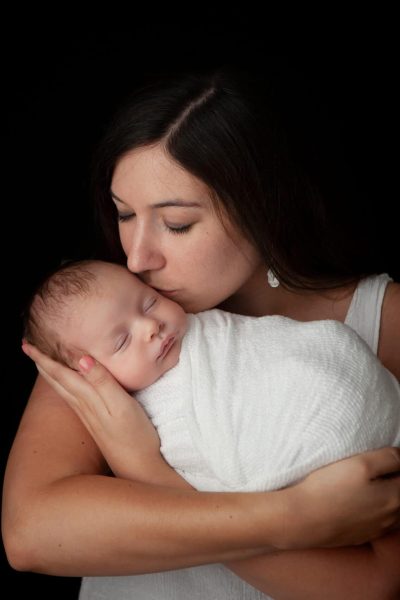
153	328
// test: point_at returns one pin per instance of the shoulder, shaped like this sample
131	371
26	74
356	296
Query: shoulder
389	338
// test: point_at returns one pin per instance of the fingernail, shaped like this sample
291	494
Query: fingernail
86	363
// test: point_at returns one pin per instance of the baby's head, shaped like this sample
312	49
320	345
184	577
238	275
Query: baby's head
101	309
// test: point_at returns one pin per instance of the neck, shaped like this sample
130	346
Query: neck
256	298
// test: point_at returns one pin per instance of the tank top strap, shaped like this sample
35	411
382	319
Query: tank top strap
364	314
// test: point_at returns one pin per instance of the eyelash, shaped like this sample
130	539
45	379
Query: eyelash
150	304
122	344
124	341
174	230
123	218
178	230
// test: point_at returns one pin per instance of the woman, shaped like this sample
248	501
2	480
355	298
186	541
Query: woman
209	193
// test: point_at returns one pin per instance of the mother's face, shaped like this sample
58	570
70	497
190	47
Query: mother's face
171	235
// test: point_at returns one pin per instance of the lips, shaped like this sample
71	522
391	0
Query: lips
165	346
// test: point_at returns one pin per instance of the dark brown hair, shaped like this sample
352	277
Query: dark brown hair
226	128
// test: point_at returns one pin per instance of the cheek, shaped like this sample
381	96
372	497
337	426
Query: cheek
134	370
225	259
196	255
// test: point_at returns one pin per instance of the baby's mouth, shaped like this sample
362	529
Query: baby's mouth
165	346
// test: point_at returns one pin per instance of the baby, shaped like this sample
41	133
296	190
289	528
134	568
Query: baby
239	403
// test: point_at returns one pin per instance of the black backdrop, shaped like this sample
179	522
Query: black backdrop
58	91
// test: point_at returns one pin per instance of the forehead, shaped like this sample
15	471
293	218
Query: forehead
152	172
111	282
114	291
114	278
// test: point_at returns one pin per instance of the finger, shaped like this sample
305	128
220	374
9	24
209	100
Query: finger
92	390
88	406
385	461
72	387
71	400
55	373
113	394
47	364
67	396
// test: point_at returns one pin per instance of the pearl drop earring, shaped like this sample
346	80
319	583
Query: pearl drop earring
272	280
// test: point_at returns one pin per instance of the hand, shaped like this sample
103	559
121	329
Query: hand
116	421
352	501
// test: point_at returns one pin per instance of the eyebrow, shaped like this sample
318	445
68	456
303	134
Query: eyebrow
164	203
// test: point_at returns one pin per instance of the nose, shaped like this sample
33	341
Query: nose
144	253
152	327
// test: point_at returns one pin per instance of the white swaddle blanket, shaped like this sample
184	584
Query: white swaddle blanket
256	403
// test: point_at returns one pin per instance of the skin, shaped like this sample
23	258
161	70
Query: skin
124	324
188	265
147	260
166	225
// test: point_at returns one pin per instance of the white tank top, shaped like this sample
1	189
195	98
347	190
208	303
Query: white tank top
215	582
364	314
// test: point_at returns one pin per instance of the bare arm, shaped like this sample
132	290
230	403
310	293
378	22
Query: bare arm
58	502
389	335
368	572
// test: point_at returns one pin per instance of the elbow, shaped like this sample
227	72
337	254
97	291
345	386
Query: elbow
15	556
17	547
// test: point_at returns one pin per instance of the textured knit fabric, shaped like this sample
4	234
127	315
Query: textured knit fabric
225	413
215	582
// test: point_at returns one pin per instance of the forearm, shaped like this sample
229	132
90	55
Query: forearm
367	572
62	516
97	525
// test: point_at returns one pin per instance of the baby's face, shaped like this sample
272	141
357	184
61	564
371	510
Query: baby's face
128	327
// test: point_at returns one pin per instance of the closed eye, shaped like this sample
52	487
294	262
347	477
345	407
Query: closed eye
177	229
122	343
149	304
123	218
